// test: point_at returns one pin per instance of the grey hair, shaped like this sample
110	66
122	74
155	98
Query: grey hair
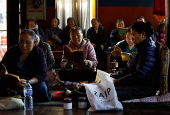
30	32
76	28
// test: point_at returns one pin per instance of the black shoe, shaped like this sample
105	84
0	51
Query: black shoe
64	92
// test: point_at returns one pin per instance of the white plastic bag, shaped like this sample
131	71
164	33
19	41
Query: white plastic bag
11	103
102	95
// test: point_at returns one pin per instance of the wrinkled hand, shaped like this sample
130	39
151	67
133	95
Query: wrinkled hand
55	37
86	63
49	42
93	44
102	47
116	53
115	81
22	83
112	75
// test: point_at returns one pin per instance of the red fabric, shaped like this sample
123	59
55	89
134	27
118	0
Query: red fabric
58	95
57	48
159	7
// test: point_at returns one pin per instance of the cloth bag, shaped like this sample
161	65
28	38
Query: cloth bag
11	103
102	95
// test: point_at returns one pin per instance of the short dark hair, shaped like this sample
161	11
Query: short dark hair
76	28
95	19
30	32
71	18
140	17
142	26
34	20
56	18
120	20
128	30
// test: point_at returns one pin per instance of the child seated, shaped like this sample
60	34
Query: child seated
79	71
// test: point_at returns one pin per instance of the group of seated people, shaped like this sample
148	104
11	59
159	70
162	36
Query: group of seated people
96	34
31	59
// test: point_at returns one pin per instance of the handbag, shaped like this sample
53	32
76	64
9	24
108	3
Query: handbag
102	95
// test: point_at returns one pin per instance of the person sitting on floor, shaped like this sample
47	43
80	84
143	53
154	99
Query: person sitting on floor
54	34
66	34
79	71
127	46
139	78
98	38
33	24
140	19
51	74
28	62
162	35
114	36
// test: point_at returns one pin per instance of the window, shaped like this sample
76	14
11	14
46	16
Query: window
3	28
81	10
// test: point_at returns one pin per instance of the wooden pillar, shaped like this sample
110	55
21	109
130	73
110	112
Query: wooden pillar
12	22
167	22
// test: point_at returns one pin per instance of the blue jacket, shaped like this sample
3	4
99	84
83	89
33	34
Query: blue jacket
50	32
141	67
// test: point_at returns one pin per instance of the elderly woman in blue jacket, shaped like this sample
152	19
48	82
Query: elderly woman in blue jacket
138	79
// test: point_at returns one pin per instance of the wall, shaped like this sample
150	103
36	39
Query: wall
110	10
44	24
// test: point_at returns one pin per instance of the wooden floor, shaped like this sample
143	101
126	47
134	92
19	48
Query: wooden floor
129	109
58	110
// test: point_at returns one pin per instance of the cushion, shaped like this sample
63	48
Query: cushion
58	95
163	67
10	103
153	99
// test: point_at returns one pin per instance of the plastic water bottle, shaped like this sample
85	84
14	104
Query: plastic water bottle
28	100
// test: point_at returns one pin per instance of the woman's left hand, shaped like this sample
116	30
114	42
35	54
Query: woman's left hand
102	47
22	83
55	37
115	81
